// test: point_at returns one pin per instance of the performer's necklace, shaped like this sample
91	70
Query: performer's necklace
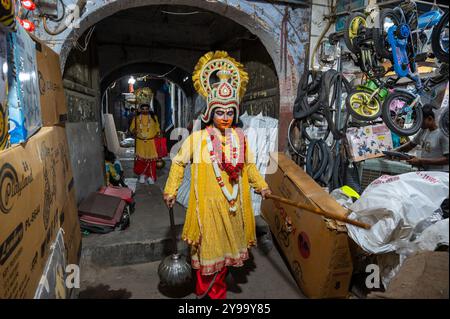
141	126
231	198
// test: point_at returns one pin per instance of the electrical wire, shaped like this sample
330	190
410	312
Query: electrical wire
63	12
165	74
81	4
324	31
86	41
183	13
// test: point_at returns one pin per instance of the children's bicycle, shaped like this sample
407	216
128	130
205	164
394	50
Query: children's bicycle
365	102
402	109
408	36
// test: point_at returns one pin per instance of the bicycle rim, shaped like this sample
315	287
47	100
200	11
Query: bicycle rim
364	106
400	116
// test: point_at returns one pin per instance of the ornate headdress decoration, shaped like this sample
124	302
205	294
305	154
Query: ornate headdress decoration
226	93
144	96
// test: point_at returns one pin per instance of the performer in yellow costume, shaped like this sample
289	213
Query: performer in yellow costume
220	224
145	126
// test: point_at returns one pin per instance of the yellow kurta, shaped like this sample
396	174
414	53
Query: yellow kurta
146	132
218	238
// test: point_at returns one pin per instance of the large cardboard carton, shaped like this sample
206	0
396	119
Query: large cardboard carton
52	284
317	248
23	95
71	226
52	98
33	193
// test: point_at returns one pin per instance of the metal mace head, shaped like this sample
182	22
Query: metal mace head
174	271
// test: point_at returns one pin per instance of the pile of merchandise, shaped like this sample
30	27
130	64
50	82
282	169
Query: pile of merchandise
338	122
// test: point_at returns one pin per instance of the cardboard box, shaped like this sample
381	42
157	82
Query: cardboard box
23	95
316	248
52	284
33	193
369	141
71	226
52	97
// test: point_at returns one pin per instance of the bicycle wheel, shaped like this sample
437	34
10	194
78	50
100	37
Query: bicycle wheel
296	138
399	116
439	39
443	122
388	18
317	159
353	26
362	106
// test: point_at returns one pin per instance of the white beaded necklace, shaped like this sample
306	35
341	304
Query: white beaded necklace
141	126
231	198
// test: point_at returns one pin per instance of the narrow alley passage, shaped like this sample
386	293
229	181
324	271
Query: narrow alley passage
224	149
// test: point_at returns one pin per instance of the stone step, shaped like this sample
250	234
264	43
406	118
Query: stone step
124	253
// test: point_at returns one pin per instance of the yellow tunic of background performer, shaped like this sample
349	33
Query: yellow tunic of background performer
145	143
217	237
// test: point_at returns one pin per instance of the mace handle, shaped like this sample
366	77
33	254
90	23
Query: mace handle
172	230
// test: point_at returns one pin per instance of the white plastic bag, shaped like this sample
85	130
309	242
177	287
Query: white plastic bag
394	205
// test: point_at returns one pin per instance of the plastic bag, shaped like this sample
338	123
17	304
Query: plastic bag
394	206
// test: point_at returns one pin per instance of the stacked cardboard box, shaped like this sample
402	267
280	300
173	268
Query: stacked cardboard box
35	201
317	248
37	197
51	90
24	110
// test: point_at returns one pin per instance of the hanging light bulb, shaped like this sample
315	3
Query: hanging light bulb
29	5
27	24
131	80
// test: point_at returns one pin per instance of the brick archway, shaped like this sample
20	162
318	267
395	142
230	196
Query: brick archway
261	19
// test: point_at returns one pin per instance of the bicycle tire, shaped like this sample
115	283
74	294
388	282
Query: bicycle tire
438	51
311	169
384	51
338	132
297	150
347	29
443	122
391	124
357	115
306	135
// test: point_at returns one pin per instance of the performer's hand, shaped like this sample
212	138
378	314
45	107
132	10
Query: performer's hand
265	192
170	200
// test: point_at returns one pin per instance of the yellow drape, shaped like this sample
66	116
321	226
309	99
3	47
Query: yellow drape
218	238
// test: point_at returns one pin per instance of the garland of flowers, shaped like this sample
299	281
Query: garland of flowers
233	169
233	166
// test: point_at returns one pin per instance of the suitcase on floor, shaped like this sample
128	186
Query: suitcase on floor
124	193
100	213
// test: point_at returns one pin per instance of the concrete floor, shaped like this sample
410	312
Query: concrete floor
263	276
123	264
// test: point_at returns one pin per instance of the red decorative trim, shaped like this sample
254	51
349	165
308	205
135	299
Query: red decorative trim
147	159
222	103
226	262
